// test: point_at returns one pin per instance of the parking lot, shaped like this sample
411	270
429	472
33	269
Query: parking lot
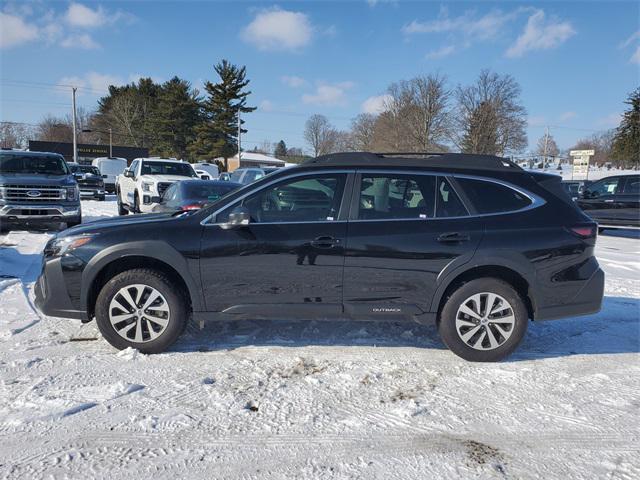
321	399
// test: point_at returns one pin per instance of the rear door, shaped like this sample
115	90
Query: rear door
599	200
628	201
404	230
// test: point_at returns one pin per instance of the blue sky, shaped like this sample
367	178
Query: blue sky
575	61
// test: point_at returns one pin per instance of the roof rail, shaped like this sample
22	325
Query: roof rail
413	159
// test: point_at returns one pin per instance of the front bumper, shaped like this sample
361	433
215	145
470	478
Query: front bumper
94	192
587	301
51	295
38	213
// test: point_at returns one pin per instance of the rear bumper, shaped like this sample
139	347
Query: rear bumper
586	302
51	296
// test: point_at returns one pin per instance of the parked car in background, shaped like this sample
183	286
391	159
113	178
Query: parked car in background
148	178
110	168
575	187
210	168
613	201
224	177
37	188
89	180
470	243
192	195
203	174
250	175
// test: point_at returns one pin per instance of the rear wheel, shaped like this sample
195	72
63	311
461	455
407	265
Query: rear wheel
484	320
142	309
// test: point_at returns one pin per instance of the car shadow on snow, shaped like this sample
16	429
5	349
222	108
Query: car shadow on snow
616	329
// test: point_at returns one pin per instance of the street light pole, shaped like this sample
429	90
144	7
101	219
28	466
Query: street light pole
73	115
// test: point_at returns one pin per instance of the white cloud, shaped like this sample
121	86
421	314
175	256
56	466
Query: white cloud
94	83
80	15
277	29
634	38
266	105
15	31
540	34
566	116
376	104
440	52
83	41
468	24
328	94
293	81
610	121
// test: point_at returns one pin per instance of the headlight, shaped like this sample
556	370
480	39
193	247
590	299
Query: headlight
71	193
146	187
100	183
59	246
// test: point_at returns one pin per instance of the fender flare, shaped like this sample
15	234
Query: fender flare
154	249
510	260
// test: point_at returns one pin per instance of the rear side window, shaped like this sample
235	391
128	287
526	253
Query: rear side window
448	204
396	197
632	186
490	197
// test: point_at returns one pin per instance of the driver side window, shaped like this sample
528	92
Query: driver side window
301	199
604	187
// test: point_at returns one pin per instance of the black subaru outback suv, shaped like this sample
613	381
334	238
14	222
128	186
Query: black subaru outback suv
472	243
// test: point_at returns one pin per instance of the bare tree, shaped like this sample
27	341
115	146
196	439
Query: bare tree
14	135
362	133
602	144
547	146
490	118
320	135
54	129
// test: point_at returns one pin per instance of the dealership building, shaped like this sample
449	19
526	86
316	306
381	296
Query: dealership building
87	152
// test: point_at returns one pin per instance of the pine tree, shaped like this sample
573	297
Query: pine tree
217	135
626	142
280	150
176	117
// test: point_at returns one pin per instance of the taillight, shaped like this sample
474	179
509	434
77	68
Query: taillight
585	231
194	206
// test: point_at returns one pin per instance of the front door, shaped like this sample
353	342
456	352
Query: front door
289	260
405	230
599	200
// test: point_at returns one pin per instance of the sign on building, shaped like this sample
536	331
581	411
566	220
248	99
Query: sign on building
581	162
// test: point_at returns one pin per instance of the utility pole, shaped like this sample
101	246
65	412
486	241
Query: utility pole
110	142
239	135
73	115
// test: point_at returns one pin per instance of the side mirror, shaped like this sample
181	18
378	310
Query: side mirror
238	217
105	176
128	174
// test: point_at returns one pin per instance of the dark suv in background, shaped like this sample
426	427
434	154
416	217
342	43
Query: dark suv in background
473	243
613	201
37	188
90	182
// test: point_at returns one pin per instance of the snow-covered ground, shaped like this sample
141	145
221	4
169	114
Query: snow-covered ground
318	400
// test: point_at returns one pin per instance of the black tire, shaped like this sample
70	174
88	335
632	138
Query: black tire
136	203
447	320
175	299
121	208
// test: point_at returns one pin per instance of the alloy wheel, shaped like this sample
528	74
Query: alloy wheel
485	321
139	313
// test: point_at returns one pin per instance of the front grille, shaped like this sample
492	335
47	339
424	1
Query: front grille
32	193
162	186
32	211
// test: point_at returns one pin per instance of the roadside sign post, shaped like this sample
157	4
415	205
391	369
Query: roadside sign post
581	162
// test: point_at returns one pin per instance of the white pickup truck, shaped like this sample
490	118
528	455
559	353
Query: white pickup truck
140	185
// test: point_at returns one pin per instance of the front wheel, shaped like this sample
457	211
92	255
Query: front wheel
121	209
484	320
142	309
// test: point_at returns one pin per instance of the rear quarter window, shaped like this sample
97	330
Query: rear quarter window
489	197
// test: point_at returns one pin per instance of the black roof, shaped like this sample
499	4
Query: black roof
460	161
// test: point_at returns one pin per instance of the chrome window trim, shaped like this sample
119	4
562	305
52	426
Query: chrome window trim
536	201
205	221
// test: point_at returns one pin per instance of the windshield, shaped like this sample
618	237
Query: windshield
168	168
44	164
89	169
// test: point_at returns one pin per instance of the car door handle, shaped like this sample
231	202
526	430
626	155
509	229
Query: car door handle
325	242
609	200
453	237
